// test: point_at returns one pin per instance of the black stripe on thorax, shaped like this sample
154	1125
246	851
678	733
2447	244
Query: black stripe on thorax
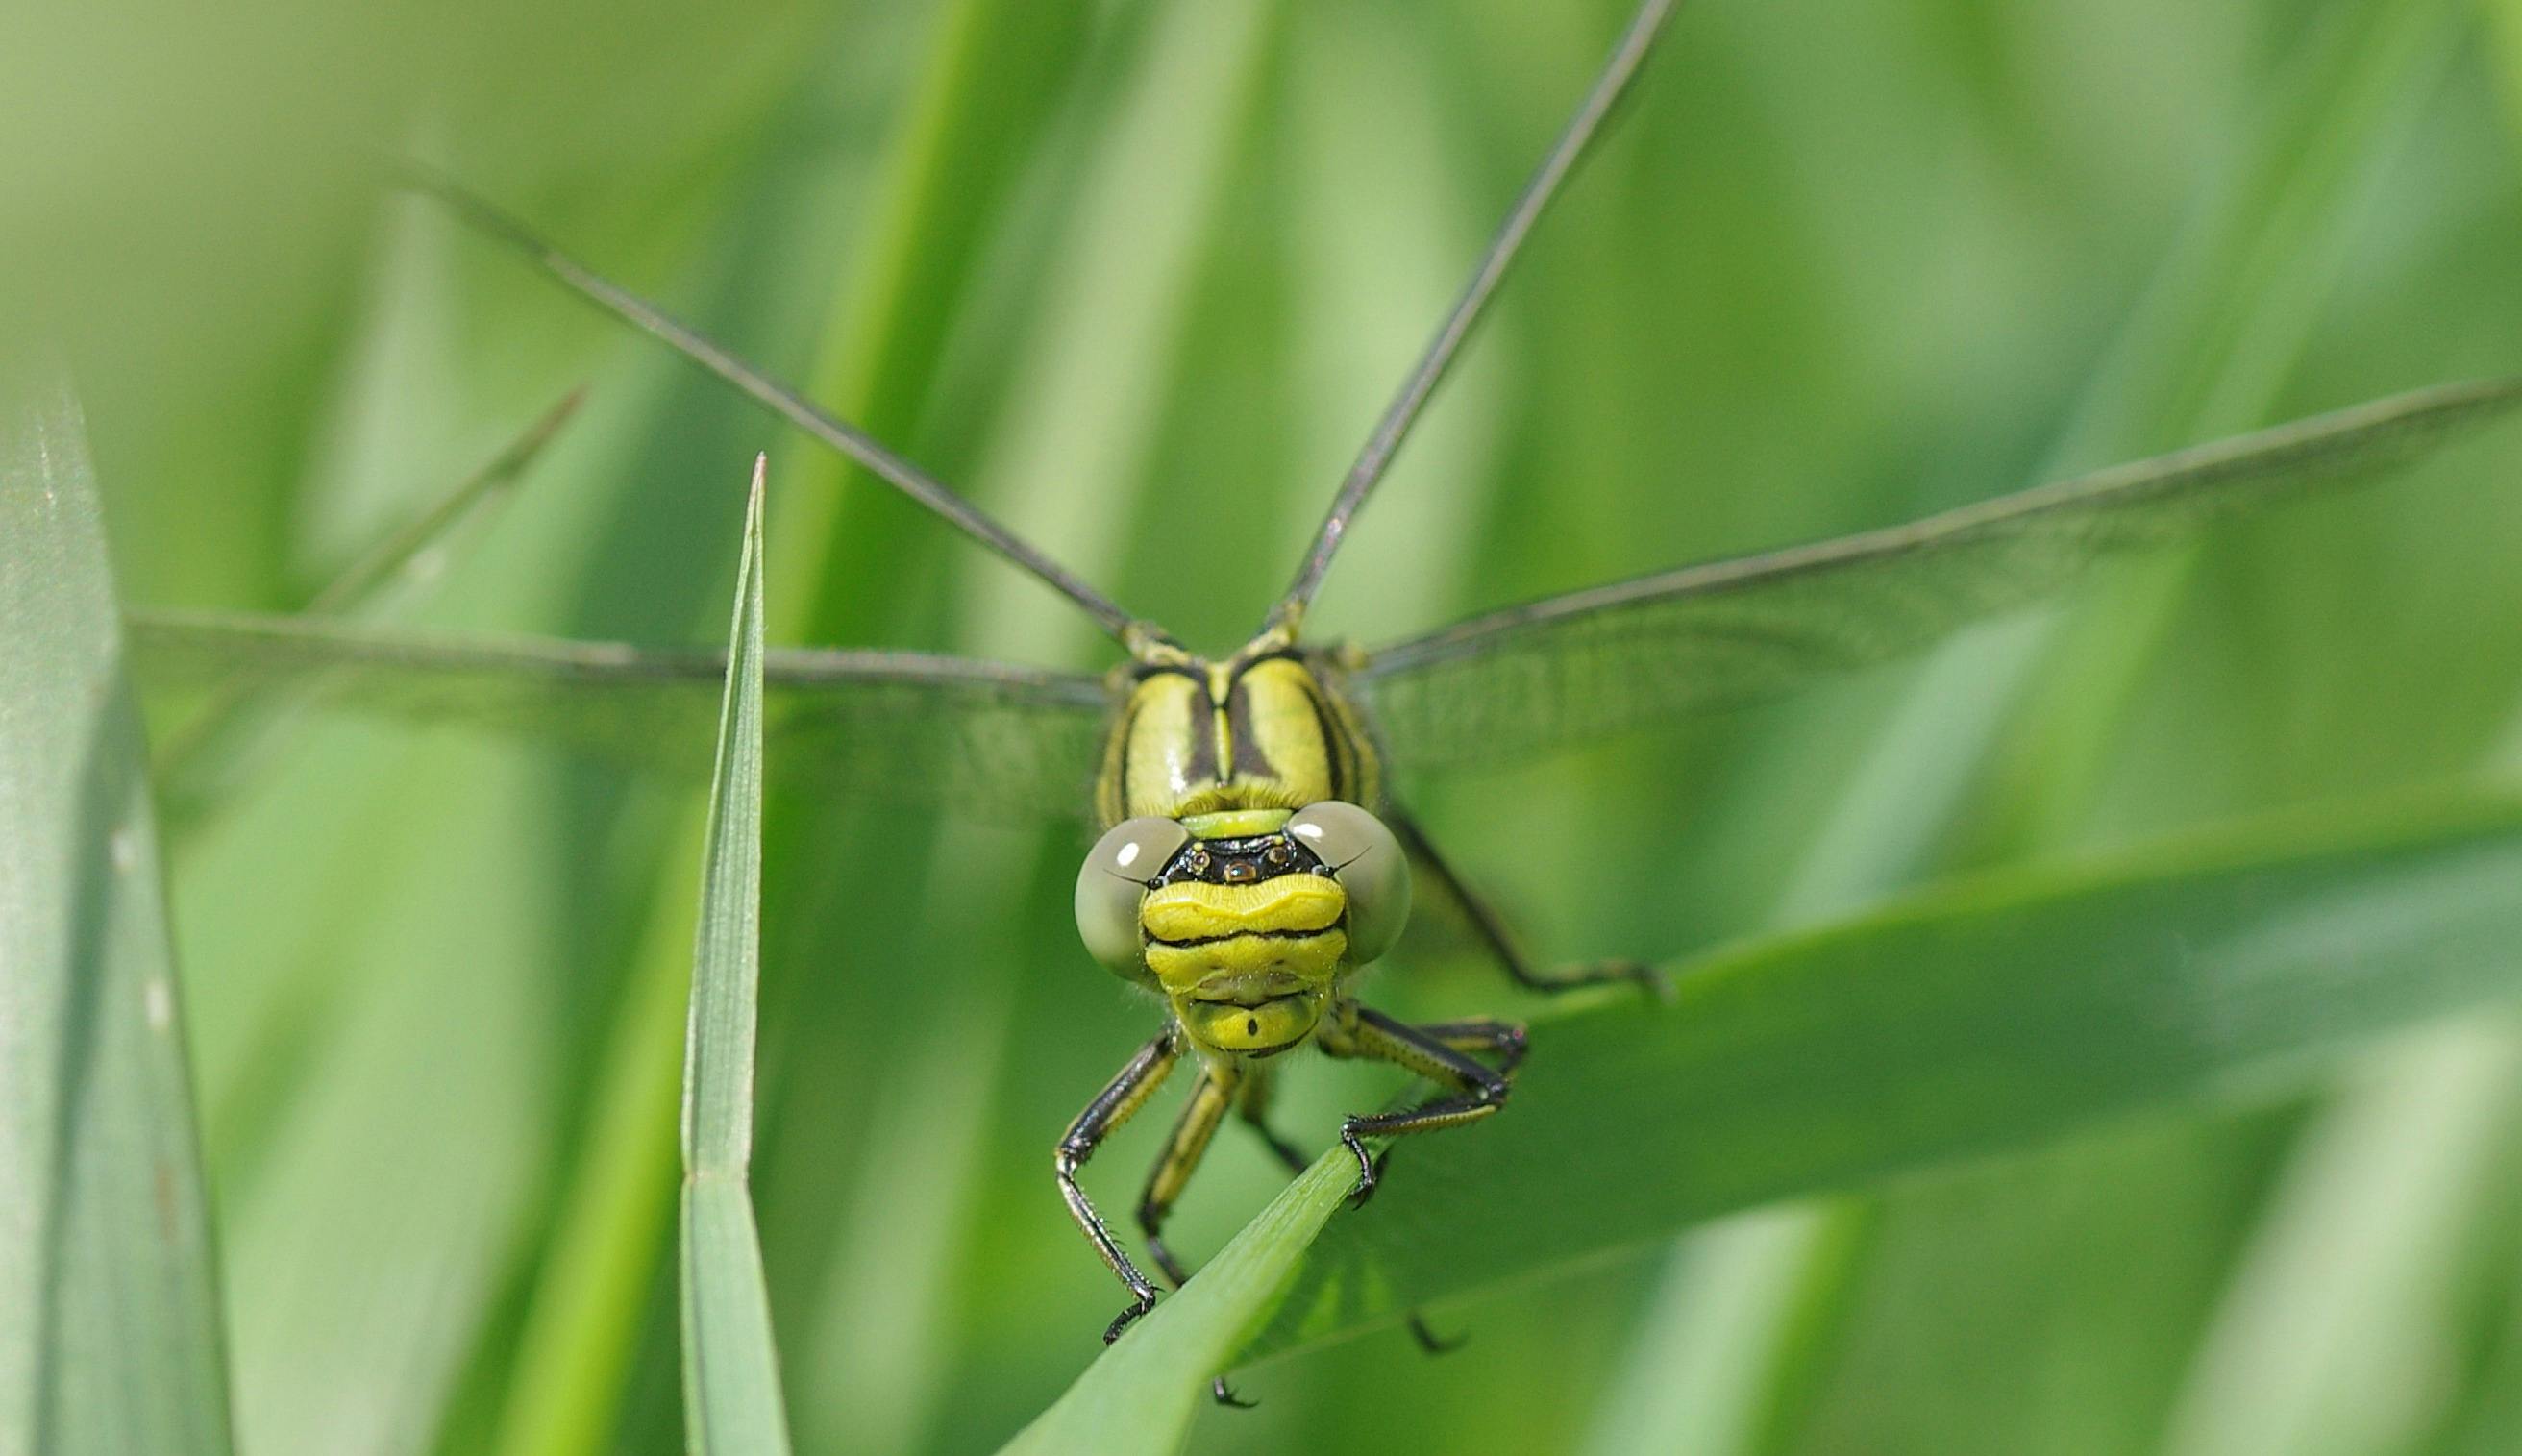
1335	745
1202	728
1250	760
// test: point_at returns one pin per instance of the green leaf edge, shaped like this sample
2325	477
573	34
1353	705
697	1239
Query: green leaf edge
1328	1302
1142	1396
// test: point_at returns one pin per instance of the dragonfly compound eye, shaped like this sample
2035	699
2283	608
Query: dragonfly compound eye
1367	862
1114	879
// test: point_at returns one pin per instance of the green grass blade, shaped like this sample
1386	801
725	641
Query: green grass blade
730	1366
1142	1396
110	1336
1991	1015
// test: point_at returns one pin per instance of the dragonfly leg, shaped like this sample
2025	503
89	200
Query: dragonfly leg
1481	1034
1184	1147
1474	1090
1494	933
1112	1106
1254	1108
1474	1034
1183	1151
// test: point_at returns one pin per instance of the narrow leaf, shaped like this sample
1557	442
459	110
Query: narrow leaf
1991	1015
110	1336
731	1402
1142	1396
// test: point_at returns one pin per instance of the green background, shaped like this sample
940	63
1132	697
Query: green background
1138	276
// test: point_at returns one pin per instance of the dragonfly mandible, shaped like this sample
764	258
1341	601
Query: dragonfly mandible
1253	859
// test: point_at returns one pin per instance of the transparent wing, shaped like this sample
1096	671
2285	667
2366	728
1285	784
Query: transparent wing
975	736
1555	673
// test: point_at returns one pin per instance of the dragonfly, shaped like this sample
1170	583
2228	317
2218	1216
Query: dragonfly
1253	857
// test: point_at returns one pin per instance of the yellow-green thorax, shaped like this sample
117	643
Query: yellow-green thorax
1248	961
1268	728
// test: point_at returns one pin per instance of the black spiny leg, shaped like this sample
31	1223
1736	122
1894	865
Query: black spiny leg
1111	1108
1472	1034
1494	933
1476	1090
1253	1106
1184	1149
1173	1167
1481	1034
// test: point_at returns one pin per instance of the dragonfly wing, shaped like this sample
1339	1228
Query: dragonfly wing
975	736
1555	673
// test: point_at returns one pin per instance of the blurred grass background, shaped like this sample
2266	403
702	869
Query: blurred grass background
1140	275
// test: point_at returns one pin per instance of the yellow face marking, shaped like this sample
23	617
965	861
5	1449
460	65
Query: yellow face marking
1258	1030
1249	967
1236	823
1195	911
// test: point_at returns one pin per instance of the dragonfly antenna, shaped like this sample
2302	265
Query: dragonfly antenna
498	226
1403	412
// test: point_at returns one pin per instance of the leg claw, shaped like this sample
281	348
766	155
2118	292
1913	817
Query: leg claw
1145	1302
1368	1168
1647	978
1431	1342
1224	1394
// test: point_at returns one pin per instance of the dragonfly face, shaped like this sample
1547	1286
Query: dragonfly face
1239	879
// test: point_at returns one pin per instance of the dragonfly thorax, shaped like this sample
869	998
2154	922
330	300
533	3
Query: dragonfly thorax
1266	729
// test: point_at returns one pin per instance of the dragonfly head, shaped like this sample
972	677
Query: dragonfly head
1245	922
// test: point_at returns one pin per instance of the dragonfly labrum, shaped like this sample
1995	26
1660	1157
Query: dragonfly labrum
1253	857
